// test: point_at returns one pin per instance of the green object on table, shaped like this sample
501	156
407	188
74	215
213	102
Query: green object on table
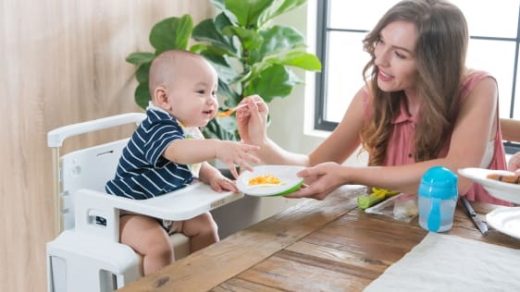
377	195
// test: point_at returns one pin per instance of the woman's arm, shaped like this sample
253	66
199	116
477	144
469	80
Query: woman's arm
474	127
337	147
345	139
272	153
252	125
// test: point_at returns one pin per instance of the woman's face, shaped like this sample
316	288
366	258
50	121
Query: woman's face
395	57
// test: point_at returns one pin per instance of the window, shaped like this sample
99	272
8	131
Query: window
493	46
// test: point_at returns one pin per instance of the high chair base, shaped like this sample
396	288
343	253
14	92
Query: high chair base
82	262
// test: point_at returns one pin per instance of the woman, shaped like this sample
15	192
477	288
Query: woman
420	107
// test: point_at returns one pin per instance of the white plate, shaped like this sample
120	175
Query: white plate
287	174
501	190
505	220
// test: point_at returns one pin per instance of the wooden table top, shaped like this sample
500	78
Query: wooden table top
325	245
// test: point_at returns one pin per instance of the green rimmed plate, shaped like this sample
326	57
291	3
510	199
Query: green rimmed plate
286	173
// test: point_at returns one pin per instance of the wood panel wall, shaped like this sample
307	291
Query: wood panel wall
61	62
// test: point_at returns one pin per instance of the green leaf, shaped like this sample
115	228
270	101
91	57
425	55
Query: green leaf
274	81
219	4
197	48
142	95
221	21
282	7
296	58
246	13
250	38
171	33
215	129
301	59
139	58
228	94
143	72
279	38
206	31
225	72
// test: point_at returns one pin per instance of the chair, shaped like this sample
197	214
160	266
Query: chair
87	255
510	129
510	135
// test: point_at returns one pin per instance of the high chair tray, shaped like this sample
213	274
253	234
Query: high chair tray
182	204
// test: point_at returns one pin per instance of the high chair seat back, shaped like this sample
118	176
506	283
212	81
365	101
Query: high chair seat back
89	169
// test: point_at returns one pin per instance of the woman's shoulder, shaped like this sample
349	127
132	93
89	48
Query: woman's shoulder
472	74
365	95
472	78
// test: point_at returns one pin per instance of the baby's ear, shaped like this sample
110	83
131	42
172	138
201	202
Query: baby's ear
159	97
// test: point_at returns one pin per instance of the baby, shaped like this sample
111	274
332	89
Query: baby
167	151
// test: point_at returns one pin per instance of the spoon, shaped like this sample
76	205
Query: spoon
230	111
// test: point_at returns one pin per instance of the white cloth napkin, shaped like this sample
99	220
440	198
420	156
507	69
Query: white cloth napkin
451	263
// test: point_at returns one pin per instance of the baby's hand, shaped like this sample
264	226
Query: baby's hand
235	153
220	183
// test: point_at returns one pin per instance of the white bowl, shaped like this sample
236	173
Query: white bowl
501	190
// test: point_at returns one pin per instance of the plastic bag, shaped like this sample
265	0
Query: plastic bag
402	207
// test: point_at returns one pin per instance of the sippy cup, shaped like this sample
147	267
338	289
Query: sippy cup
438	193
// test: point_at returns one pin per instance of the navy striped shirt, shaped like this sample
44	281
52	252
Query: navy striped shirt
143	172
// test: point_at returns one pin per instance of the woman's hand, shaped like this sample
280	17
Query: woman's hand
252	120
321	180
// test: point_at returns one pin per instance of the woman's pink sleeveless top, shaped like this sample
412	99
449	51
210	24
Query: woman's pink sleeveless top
401	144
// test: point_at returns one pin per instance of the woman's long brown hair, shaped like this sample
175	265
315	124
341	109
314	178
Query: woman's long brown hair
440	56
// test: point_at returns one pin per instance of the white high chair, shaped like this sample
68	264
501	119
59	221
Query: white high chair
87	255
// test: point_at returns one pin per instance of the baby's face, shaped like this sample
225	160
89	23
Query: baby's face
192	95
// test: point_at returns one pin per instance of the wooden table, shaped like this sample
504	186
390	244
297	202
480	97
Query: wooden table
314	246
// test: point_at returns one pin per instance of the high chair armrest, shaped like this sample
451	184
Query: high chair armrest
92	204
56	137
182	204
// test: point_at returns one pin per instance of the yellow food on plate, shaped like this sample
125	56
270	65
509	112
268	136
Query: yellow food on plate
264	180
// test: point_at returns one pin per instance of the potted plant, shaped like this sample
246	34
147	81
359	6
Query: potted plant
251	56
